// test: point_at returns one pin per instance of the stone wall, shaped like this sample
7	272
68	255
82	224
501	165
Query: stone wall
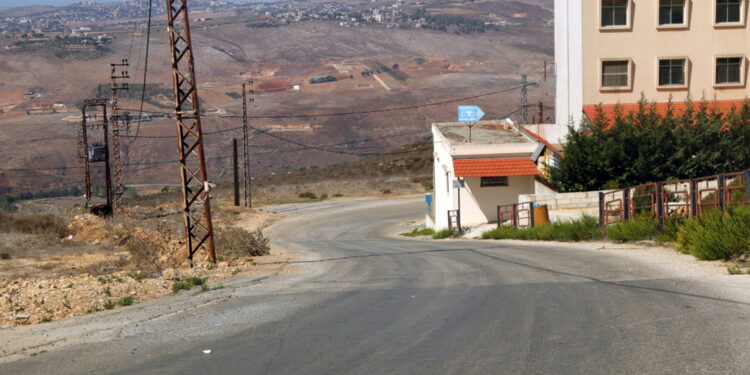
563	201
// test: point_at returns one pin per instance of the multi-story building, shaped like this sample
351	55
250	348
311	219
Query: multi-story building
611	52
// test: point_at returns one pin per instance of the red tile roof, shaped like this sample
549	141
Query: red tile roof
723	106
495	167
542	140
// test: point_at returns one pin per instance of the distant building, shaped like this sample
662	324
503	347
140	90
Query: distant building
502	161
611	52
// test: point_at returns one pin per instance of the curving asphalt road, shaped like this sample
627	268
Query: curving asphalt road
366	302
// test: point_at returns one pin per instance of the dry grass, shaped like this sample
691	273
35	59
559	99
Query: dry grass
237	242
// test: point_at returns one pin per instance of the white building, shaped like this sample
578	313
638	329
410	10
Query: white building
501	161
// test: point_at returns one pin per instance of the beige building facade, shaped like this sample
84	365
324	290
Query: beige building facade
612	52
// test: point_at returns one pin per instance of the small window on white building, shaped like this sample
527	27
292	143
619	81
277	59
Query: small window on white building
614	13
729	70
672	72
672	12
728	11
615	74
494	181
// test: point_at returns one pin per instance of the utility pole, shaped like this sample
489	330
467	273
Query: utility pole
541	112
245	145
524	100
199	231
545	70
119	186
236	168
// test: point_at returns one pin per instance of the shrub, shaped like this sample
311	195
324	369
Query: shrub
143	257
308	195
717	234
635	230
734	270
180	285
43	224
583	229
241	243
126	301
109	305
445	233
419	232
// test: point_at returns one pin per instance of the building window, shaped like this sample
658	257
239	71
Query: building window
614	13
494	181
672	72
672	12
729	70
728	11
615	74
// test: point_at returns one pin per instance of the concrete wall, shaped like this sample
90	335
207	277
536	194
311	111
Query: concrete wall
479	204
443	194
563	201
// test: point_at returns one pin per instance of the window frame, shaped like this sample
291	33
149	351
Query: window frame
686	72
674	26
628	18
628	87
743	72
724	25
504	181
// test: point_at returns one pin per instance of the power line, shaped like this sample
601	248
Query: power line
145	70
373	111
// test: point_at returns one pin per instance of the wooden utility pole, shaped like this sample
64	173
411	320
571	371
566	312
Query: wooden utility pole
246	146
236	168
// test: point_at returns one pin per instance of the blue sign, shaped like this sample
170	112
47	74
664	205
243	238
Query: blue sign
428	200
469	113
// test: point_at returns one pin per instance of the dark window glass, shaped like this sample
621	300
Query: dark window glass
671	12
494	181
728	70
614	13
672	72
728	11
615	73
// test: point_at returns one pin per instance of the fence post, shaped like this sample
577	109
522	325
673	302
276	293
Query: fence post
660	203
531	214
514	216
626	204
746	177
450	220
722	185
601	210
693	198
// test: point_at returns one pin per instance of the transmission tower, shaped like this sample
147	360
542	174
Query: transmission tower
245	144
524	111
119	72
199	232
95	152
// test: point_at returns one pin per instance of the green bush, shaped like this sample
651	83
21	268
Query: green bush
419	232
126	301
181	285
583	229
717	234
445	233
635	230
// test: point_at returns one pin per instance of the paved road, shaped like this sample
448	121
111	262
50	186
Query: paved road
368	303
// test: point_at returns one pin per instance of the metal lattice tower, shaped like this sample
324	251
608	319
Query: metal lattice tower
246	145
524	110
199	232
90	155
117	125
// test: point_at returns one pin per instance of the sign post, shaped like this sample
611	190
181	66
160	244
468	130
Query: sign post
470	115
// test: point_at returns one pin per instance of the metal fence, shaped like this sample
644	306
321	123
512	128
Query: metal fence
674	200
516	215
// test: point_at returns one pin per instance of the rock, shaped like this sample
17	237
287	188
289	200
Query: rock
171	274
23	317
7	326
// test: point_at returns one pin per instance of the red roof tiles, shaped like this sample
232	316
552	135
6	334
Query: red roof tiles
723	106
495	167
